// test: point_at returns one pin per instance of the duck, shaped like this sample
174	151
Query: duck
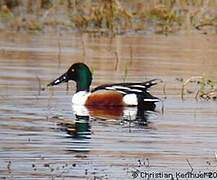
106	95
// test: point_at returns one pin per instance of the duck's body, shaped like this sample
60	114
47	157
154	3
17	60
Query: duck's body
115	95
119	94
99	98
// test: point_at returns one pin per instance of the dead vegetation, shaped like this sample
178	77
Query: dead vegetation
109	16
205	88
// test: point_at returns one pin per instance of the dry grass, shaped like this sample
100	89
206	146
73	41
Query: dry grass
110	16
206	88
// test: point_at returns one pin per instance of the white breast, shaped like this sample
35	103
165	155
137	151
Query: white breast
130	99
80	97
80	110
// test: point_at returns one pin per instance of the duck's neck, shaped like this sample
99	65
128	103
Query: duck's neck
83	84
82	87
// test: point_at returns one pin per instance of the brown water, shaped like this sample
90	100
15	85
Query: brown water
41	137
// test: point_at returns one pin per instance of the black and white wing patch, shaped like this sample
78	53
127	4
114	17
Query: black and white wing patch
128	88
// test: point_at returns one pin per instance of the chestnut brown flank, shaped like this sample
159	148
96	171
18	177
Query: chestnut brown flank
105	98
112	112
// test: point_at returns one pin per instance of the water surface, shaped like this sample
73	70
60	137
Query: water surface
41	137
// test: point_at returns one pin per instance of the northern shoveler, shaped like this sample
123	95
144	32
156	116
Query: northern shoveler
107	95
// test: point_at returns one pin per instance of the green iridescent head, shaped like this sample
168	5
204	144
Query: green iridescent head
78	72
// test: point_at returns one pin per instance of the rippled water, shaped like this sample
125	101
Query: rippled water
42	137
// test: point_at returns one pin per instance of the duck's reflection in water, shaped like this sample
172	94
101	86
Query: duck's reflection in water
80	128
